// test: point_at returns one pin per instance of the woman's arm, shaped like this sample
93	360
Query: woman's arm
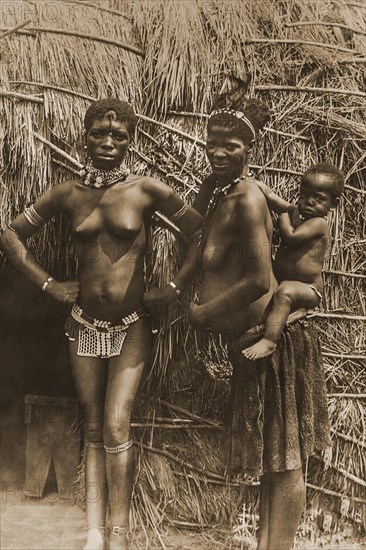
13	243
173	207
311	229
256	252
189	221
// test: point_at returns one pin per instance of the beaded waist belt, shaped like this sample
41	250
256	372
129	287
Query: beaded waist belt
98	338
106	326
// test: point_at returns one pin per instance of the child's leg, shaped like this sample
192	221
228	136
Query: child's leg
290	295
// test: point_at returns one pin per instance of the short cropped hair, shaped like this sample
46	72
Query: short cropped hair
331	171
256	111
124	113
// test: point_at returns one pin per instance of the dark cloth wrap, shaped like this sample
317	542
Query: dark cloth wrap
277	410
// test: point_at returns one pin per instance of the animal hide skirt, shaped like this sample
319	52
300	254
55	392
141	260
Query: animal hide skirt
277	412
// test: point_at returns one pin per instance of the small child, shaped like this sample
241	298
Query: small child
304	238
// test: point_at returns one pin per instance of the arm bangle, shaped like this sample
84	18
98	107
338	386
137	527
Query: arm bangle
45	284
173	285
179	213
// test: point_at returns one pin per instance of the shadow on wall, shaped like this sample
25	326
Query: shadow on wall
33	360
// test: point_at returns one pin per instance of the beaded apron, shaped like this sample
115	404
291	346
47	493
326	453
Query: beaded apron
98	338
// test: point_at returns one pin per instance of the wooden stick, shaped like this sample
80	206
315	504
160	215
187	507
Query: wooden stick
168	426
265	128
324	24
172	129
52	87
334	494
353	60
99	7
310	89
346	474
348	395
218	482
11	31
348	438
180	461
355	189
345	273
298	43
96	38
343	355
357	5
187	524
183	134
167	224
31	98
59	151
338	316
190	414
157	167
170	156
63	165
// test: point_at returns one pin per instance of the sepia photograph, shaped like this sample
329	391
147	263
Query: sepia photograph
183	253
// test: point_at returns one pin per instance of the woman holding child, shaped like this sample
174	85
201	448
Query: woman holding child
278	409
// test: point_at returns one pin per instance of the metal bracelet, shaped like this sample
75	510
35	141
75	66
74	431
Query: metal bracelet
173	285
46	283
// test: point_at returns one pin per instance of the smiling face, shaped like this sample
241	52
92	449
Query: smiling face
107	142
316	195
226	152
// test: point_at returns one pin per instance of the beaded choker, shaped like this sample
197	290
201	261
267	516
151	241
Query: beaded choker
216	194
96	178
302	218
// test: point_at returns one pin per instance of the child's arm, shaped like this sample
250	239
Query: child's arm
275	202
309	230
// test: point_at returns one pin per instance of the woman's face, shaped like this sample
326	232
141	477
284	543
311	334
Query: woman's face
226	152
107	142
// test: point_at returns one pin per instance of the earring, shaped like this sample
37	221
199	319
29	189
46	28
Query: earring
85	147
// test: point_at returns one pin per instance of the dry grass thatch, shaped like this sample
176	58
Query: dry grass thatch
179	55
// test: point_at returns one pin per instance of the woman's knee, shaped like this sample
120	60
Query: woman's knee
117	423
93	416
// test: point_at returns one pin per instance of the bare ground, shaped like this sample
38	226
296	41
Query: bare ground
52	524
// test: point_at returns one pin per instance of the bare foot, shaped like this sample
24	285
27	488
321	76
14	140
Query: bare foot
249	336
118	542
261	349
95	539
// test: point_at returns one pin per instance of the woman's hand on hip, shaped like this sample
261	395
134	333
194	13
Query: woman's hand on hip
66	292
157	300
196	316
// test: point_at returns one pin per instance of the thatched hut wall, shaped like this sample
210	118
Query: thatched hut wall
306	59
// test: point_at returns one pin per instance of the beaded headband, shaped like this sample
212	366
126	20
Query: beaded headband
237	114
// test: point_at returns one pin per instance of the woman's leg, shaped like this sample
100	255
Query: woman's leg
289	295
263	514
90	379
124	376
284	500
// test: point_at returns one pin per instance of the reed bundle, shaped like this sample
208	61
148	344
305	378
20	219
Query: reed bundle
192	50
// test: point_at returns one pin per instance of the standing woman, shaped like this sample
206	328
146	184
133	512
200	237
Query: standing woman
108	329
278	410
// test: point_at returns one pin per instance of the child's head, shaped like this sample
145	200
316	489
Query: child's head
320	189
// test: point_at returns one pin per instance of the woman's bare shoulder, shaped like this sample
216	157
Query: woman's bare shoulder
250	196
155	188
66	186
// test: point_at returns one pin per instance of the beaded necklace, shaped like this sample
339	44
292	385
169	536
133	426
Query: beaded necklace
216	194
302	218
95	177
